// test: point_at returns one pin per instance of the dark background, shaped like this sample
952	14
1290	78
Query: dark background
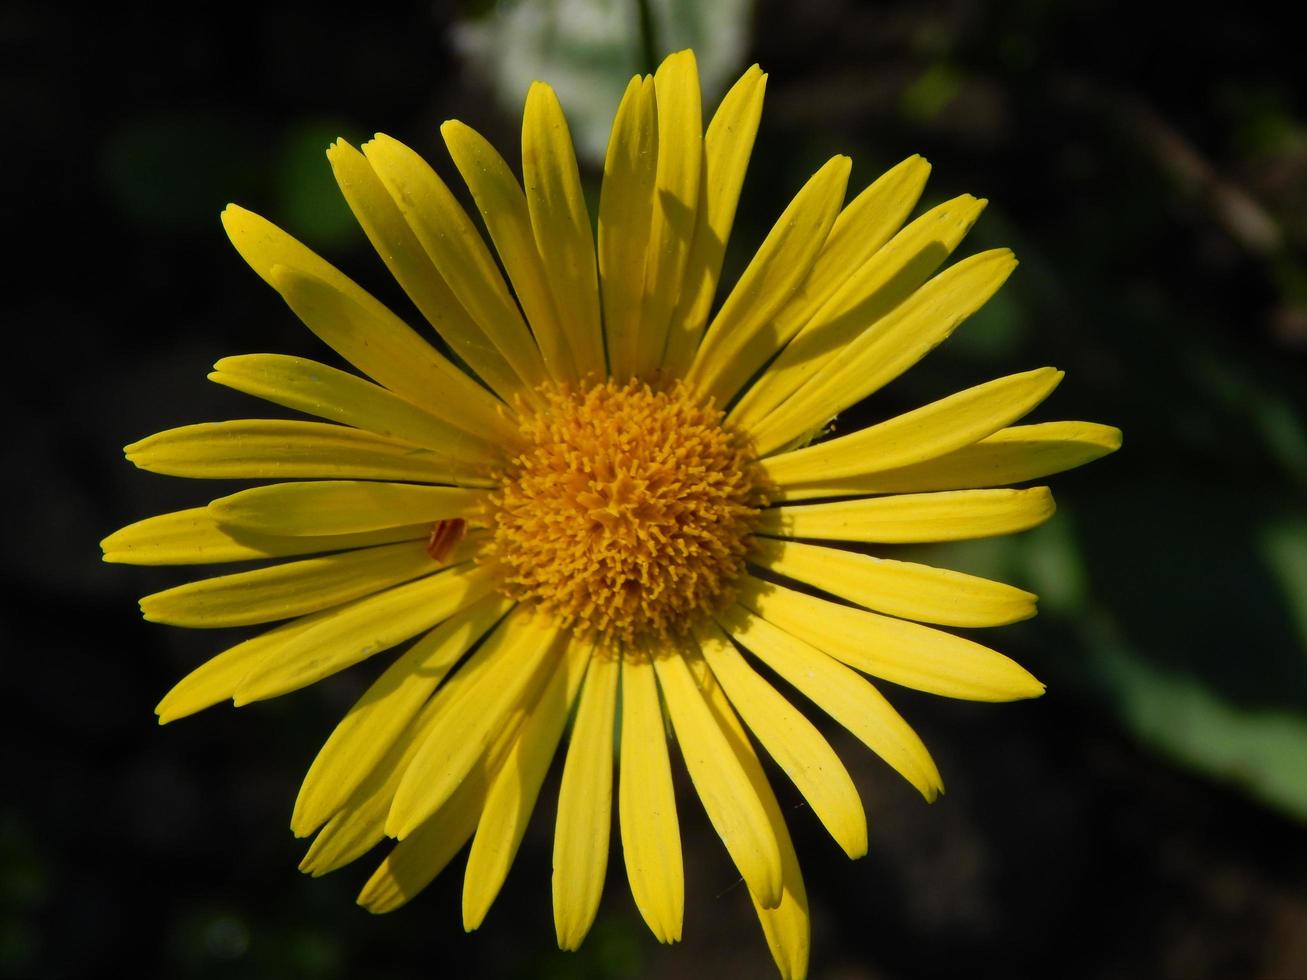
1148	165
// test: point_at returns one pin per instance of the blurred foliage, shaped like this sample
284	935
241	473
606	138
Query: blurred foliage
1153	181
1161	232
589	49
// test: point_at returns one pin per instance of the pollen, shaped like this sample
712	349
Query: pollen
627	513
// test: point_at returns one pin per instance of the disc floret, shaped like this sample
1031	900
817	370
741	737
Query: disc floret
627	513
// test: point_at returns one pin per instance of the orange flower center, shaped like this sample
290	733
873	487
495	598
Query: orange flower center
627	514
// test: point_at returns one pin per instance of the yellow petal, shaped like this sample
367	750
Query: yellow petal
506	673
417	859
193	537
317	389
350	321
265	595
380	716
866	294
502	205
625	211
784	924
364	628
259	449
561	224
457	249
843	694
900	588
516	786
585	806
675	201
327	507
346	837
900	652
727	146
646	804
892	345
723	785
360	822
218	678
404	255
860	230
1011	455
911	518
791	740
743	337
921	434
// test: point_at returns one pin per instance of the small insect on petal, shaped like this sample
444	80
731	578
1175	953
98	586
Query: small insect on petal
444	535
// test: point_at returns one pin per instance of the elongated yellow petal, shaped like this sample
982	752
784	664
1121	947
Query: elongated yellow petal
860	230
512	665
403	254
256	449
360	822
502	204
364	628
675	201
345	838
625	211
846	696
421	856
456	248
585	806
380	716
651	838
900	588
1011	455
867	294
785	924
792	741
218	677
879	355
414	862
349	320
919	435
727	146
743	337
370	337
417	859
909	518
516	786
901	652
561	223
193	537
728	797
316	389
289	589
328	507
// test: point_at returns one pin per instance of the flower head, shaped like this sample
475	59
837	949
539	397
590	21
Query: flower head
589	494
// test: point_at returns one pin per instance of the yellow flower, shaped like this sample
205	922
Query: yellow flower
592	505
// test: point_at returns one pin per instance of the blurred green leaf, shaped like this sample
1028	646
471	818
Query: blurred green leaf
309	200
1272	415
175	173
1261	751
589	49
931	93
1285	545
1194	622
